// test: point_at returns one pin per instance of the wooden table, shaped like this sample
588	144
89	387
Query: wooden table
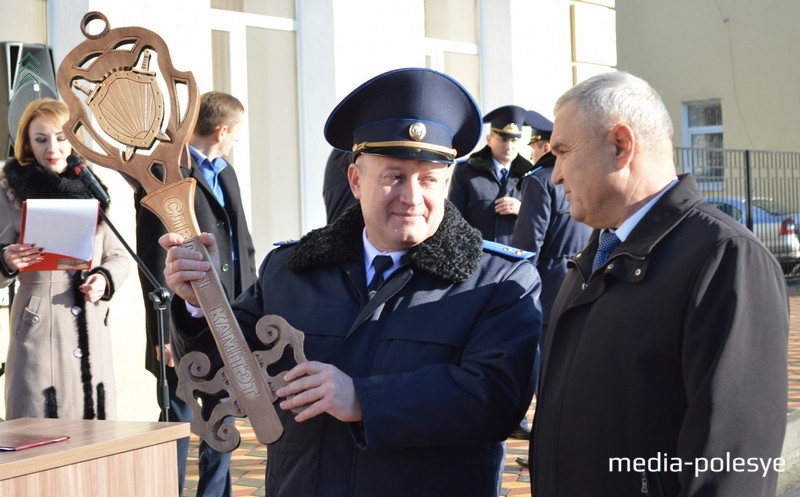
101	459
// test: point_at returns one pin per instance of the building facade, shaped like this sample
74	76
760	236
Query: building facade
290	61
720	67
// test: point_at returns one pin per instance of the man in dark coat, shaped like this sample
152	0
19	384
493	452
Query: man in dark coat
411	385
218	209
335	186
664	367
484	186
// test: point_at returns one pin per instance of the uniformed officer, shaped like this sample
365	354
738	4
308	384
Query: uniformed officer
420	339
541	129
485	186
544	225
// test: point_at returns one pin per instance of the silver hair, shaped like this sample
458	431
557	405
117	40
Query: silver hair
612	98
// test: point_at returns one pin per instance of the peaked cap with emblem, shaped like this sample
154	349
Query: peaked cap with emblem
506	121
411	113
541	127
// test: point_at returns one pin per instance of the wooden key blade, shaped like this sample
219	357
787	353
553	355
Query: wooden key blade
243	372
137	112
173	204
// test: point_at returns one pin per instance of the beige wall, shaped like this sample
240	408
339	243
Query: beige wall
739	51
24	21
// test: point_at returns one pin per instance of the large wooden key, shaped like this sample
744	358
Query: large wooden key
114	84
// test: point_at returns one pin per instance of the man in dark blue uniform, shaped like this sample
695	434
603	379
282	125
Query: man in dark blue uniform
484	186
218	210
544	226
421	338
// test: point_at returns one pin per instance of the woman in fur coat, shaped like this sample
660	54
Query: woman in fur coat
59	361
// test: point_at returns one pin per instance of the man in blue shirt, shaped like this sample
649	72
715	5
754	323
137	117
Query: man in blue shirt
218	210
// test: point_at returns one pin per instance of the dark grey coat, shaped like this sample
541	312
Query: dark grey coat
441	358
474	188
675	349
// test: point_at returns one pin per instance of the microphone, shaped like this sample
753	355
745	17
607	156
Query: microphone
88	179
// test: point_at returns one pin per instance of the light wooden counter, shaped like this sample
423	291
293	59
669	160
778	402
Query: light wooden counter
101	459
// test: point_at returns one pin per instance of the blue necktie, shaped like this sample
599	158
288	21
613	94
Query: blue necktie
503	176
381	263
608	242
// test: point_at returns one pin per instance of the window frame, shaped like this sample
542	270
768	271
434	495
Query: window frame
714	156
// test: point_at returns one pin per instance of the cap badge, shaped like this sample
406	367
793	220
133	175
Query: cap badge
511	128
417	131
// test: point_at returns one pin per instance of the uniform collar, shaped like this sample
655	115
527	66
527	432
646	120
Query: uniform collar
482	160
370	252
452	254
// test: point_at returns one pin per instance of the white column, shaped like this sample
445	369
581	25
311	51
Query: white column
316	57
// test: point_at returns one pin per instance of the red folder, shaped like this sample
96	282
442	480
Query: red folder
19	441
54	261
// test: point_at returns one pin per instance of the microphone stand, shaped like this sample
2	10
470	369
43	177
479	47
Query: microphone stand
160	297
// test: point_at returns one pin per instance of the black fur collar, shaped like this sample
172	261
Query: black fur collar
452	253
35	181
482	161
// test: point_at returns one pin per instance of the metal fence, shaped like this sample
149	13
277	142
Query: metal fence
759	188
744	173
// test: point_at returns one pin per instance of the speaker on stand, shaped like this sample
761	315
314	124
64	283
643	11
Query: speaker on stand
29	75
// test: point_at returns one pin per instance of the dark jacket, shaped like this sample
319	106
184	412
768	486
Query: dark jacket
545	227
441	359
475	187
675	350
211	218
335	186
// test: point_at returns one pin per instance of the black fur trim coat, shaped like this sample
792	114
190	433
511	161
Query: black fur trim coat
441	359
452	253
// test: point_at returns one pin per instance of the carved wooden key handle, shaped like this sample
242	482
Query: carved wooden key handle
124	93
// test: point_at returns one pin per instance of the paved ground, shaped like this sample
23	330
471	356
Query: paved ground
247	466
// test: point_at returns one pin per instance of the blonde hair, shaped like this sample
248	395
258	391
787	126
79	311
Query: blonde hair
46	108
